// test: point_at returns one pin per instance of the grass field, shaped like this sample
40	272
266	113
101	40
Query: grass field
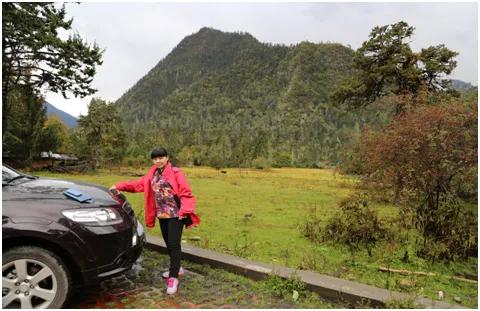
256	214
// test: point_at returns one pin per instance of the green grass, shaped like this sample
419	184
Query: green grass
256	214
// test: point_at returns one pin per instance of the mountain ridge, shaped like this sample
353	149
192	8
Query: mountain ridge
223	97
66	118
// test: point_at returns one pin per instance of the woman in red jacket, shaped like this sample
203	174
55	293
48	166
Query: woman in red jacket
167	197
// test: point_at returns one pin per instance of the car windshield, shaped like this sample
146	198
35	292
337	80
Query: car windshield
9	174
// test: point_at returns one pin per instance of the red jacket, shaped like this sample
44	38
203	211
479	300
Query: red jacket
180	187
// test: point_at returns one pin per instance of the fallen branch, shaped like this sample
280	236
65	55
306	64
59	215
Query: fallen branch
406	272
463	279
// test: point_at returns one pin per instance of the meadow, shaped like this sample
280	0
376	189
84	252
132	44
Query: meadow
257	214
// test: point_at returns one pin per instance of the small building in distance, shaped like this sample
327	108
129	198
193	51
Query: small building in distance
50	159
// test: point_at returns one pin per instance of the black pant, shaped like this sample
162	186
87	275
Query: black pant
172	235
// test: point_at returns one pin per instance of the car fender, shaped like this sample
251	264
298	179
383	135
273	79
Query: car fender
40	229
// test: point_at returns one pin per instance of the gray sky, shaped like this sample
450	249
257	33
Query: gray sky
136	36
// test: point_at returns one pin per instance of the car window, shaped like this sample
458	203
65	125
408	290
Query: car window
8	174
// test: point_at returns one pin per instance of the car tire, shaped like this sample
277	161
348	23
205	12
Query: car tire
42	279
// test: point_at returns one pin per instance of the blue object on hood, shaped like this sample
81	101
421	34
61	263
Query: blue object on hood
78	196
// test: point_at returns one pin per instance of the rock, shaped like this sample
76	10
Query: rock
295	295
441	294
457	299
194	238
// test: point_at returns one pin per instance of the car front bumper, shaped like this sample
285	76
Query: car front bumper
120	263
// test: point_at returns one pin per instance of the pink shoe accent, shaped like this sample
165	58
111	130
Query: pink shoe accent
172	285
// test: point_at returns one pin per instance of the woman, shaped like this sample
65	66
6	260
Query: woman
167	197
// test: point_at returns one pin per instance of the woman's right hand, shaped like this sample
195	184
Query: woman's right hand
114	190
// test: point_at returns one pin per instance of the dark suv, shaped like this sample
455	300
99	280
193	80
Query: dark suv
53	242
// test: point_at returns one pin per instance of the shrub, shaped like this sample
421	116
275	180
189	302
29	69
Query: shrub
453	233
311	228
465	186
356	225
312	261
281	287
425	158
407	303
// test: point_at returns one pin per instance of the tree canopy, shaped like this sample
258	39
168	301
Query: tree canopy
100	134
34	53
385	64
36	58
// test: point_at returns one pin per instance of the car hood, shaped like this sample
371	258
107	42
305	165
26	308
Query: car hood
52	189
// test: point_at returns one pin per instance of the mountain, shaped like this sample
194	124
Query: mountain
460	85
66	118
227	99
196	56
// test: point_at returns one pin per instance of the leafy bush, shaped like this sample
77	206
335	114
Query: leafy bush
356	225
451	235
408	303
313	261
311	228
424	159
281	287
466	185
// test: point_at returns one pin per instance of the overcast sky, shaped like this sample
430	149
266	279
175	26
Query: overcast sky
136	36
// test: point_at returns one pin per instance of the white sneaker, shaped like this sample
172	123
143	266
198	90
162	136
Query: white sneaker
166	274
172	286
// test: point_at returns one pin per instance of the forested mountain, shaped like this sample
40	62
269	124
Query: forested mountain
68	119
226	99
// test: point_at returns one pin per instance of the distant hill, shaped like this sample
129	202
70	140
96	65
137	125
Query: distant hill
460	85
68	119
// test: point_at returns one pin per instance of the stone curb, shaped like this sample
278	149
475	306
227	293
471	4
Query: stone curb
331	288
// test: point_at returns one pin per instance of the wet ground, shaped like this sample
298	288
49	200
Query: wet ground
201	287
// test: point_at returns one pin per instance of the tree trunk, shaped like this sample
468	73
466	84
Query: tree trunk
5	106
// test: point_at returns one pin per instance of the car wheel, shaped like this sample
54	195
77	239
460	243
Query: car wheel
33	278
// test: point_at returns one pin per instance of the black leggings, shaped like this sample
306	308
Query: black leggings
172	235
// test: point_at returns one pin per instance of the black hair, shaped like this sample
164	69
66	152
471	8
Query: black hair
158	152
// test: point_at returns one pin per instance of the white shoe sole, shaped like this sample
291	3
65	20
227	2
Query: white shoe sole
169	293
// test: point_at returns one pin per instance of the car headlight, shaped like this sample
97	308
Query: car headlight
94	216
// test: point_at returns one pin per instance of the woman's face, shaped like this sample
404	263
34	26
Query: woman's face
160	162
